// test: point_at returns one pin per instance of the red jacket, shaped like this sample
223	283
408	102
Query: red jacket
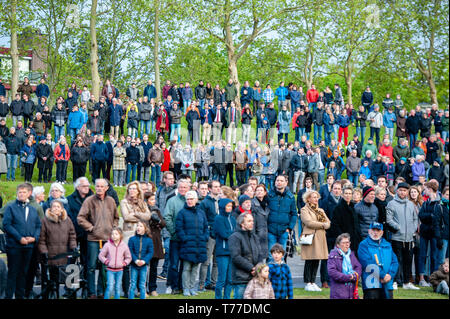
294	120
166	163
158	123
65	156
312	96
387	151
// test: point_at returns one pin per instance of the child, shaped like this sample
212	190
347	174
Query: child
280	274
260	287
365	170
141	249
115	255
390	170
439	279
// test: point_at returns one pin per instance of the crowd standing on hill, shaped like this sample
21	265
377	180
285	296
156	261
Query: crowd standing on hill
229	210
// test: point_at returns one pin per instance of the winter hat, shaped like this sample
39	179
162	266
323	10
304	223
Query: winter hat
224	202
243	198
367	190
403	159
402	185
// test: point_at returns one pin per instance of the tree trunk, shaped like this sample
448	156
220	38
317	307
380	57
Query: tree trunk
156	51
433	93
14	50
94	52
348	78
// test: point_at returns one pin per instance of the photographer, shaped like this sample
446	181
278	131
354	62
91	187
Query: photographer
156	223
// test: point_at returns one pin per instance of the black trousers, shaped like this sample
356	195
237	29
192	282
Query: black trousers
79	170
26	118
32	270
28	171
404	253
323	264
240	177
230	173
126	280
45	171
310	271
61	171
98	166
152	275
18	264
377	293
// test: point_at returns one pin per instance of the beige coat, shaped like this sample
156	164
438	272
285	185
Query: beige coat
319	248
131	217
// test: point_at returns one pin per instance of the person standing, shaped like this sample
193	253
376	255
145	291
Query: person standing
230	92
366	210
98	215
375	118
156	159
377	257
367	99
99	156
62	156
22	228
403	220
79	156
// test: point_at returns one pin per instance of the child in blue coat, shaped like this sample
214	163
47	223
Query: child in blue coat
280	274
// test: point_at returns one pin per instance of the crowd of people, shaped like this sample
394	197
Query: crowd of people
250	202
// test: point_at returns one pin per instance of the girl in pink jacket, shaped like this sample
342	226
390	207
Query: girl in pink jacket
115	255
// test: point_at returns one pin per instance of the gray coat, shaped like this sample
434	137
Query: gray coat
286	160
353	164
313	163
401	215
3	164
366	215
261	216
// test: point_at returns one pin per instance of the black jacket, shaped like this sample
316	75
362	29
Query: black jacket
16	107
28	107
427	211
413	124
299	163
4	131
440	223
245	253
133	155
200	92
79	155
94	124
13	144
345	220
44	151
317	117
4	109
75	202
425	127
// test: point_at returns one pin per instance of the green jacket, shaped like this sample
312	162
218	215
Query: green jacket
445	123
370	147
228	116
230	92
173	207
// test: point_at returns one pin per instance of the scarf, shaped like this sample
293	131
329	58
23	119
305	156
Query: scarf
137	203
319	213
346	262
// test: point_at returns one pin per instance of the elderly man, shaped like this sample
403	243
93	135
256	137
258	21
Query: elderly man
402	217
98	215
245	253
379	264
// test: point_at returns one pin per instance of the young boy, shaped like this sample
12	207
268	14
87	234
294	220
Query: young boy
280	274
439	279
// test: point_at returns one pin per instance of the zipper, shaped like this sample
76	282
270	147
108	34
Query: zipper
140	247
117	252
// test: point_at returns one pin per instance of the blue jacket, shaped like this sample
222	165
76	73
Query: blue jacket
187	93
31	154
366	171
343	121
192	230
209	208
205	118
257	93
76	120
281	92
246	98
328	125
115	113
295	96
283	212
141	248
99	152
224	226
387	119
387	263
281	279
284	124
150	92
271	115
2	90
42	90
16	227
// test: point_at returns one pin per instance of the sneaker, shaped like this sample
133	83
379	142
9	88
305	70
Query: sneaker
168	290
201	288
210	287
186	292
154	293
394	286
162	276
193	292
410	286
176	292
309	287
423	283
317	288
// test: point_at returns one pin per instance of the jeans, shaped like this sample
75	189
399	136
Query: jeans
321	176
12	164
18	260
390	131
156	174
239	291
299	176
173	128
190	271
440	253
202	103
223	285
361	132
132	132
375	131
73	134
16	118
114	280
165	266
442	288
425	253
131	170
336	132
328	138
444	135
174	275
210	248
136	272
353	178
92	260
280	136
297	134
301	131
186	103
246	133
273	239
145	127
59	130
412	140
119	177
268	181
317	134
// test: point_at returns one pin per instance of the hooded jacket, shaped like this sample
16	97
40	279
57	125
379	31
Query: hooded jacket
224	225
115	257
401	216
367	213
429	209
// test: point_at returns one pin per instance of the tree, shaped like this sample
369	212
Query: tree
94	50
238	25
422	29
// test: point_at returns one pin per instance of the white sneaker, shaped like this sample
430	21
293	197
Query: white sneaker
168	290
394	286
410	286
316	288
309	287
423	283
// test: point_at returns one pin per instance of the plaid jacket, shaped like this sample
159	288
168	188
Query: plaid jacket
280	276
255	290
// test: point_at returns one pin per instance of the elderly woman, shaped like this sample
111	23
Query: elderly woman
314	222
39	195
57	191
192	230
343	269
57	237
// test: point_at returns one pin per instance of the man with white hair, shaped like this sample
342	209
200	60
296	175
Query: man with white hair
98	215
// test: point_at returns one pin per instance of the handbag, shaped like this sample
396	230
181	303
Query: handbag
306	239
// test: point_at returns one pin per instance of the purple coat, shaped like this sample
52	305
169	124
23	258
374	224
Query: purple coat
340	285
